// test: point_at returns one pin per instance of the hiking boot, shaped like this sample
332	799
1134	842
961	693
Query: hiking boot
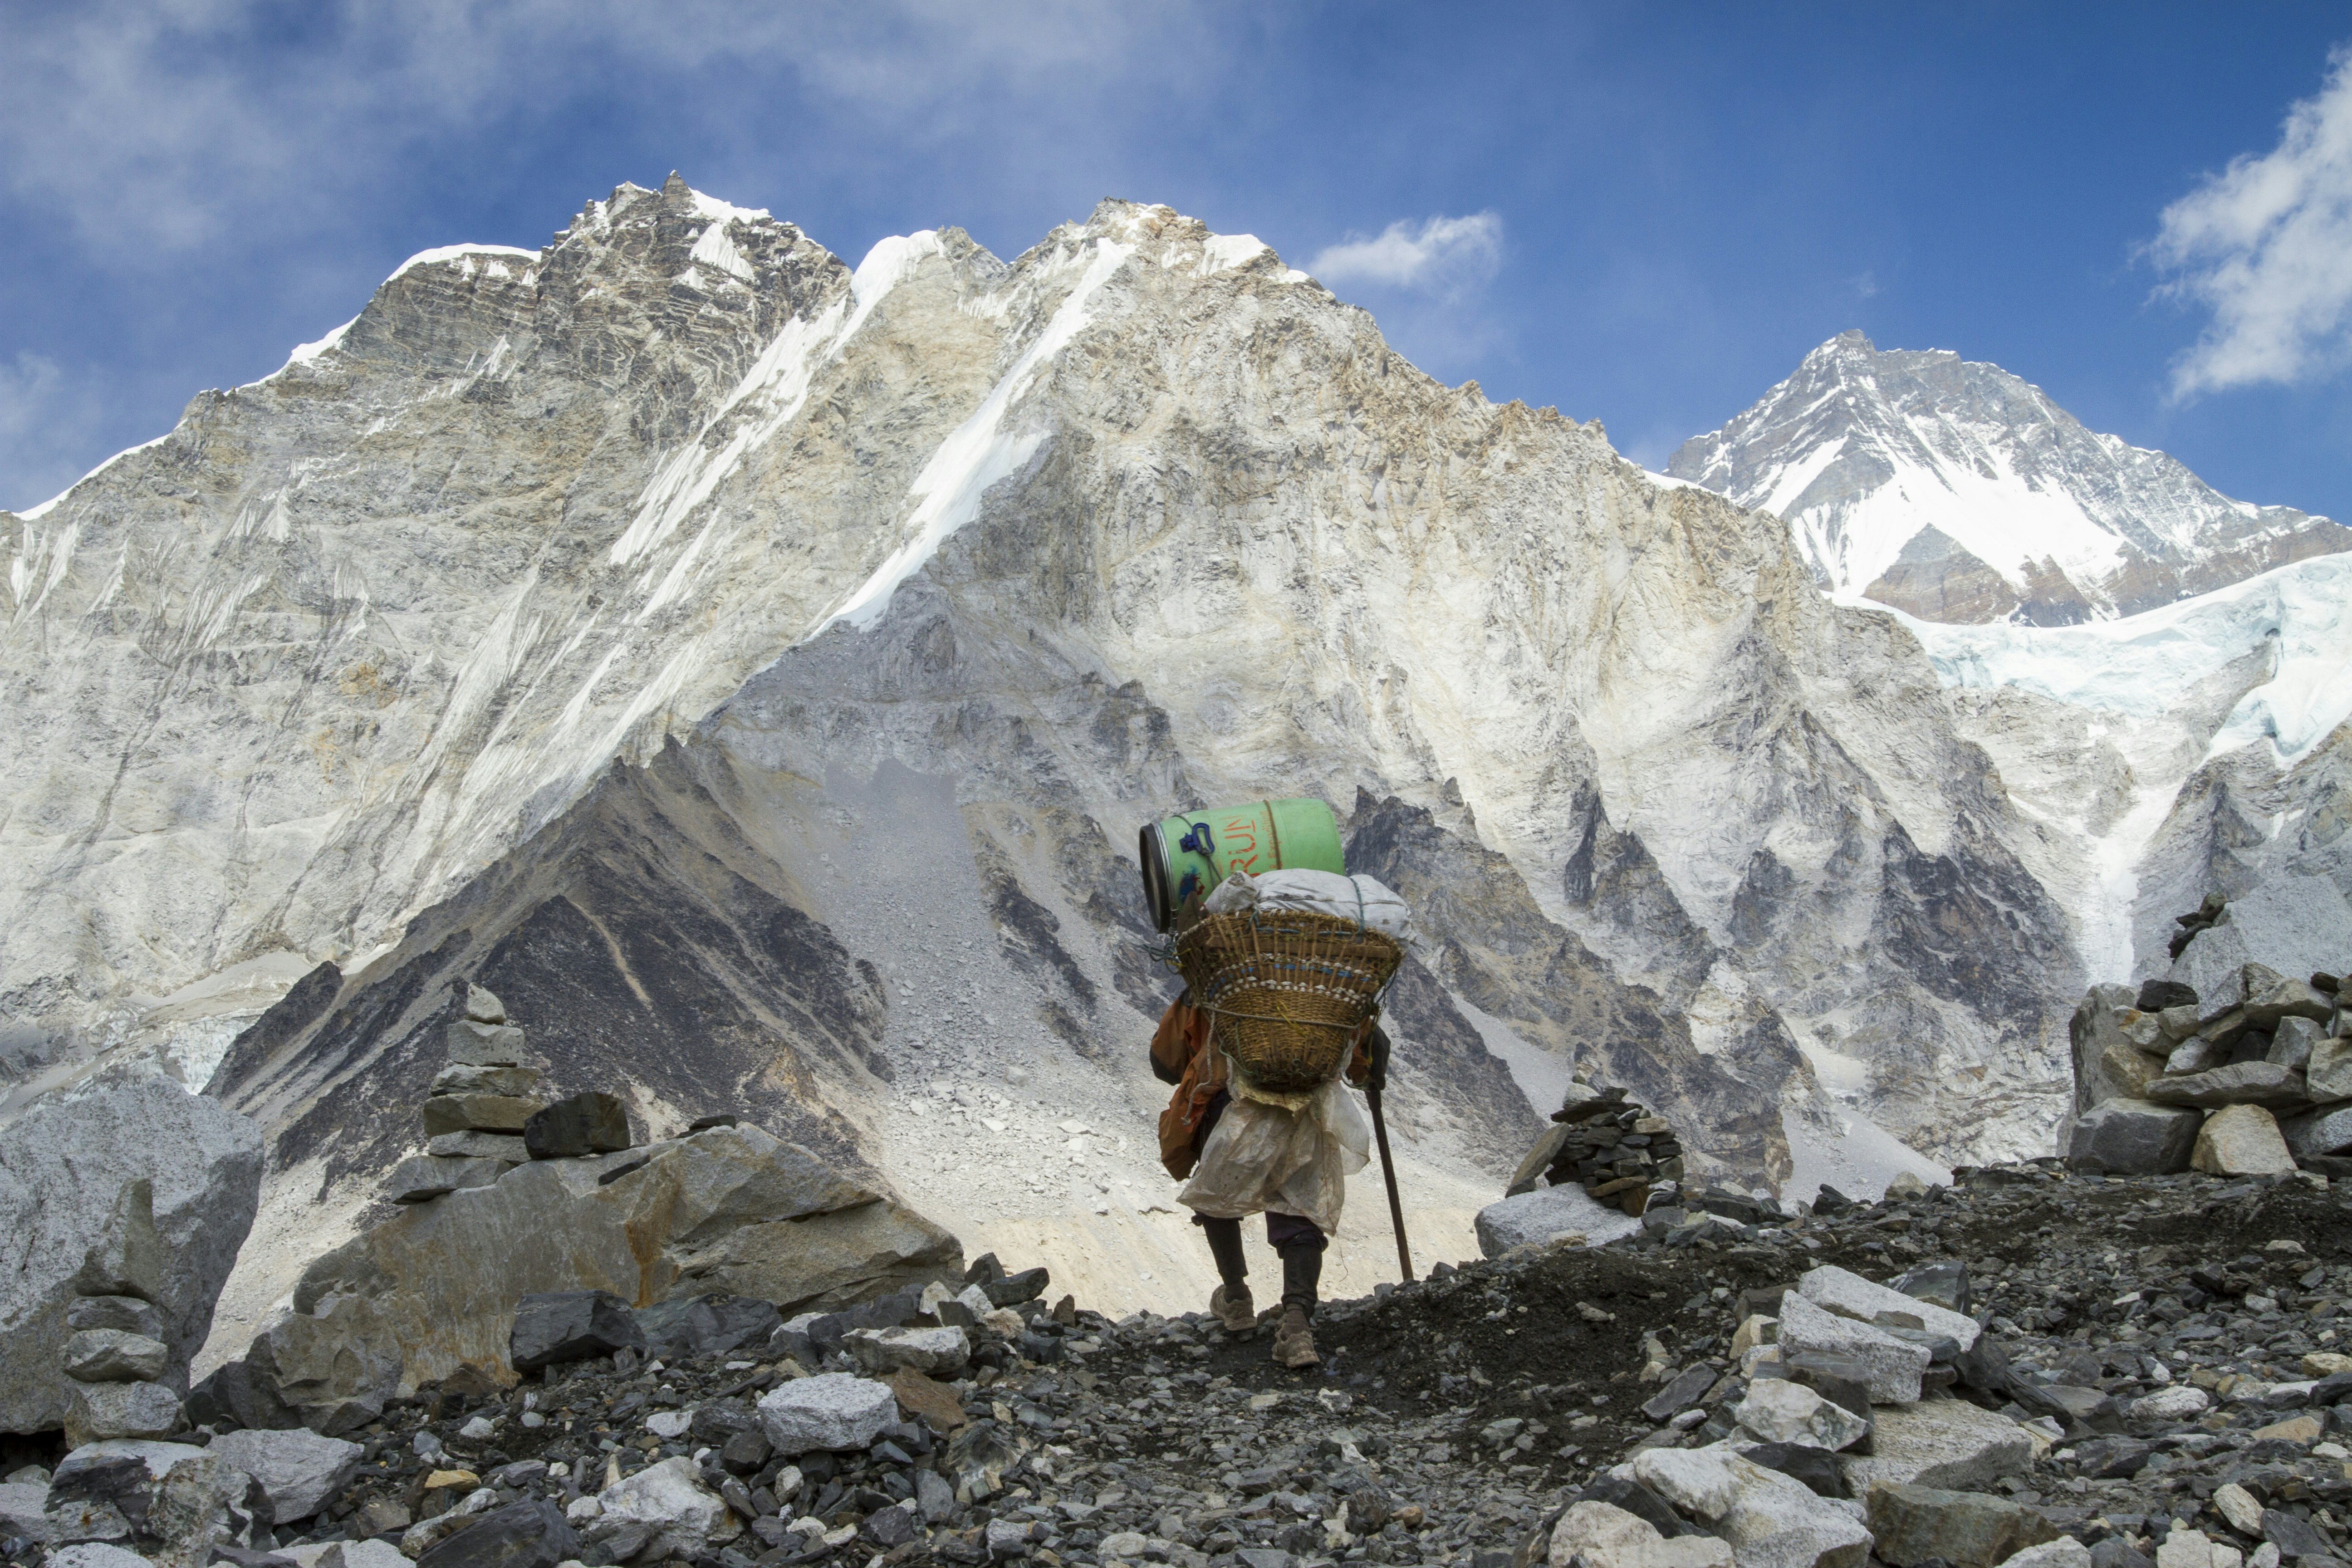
1230	1305
1294	1341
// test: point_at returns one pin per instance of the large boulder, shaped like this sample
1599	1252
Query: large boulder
143	1180
730	1210
2242	1141
299	1472
2096	1030
2266	1084
1547	1213
2133	1138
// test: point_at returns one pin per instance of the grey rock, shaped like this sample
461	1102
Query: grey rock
2095	1029
830	1411
111	1355
1945	1443
2293	1041
2318	1132
1943	1283
421	1178
1007	1538
708	1325
2284	999
299	1472
589	1124
1538	1159
102	1410
331	1364
520	1535
2132	1137
471	1044
477	1004
1893	1366
2160	996
2214	964
2266	1084
1817	1467
554	1327
732	1211
70	1204
505	1147
1777	1410
2203	1052
128	1313
505	1113
96	1554
888	1527
934	1497
2175	1024
1850	1296
1913	1524
1680	1394
1773	1520
1547	1213
938	1353
2329	1076
459	1078
2242	1141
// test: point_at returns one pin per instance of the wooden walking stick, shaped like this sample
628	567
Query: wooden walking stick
1372	1087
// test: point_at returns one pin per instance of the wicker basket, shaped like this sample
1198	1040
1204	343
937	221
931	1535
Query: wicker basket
1285	992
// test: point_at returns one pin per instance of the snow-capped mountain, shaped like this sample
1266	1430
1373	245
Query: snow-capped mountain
755	667
1957	492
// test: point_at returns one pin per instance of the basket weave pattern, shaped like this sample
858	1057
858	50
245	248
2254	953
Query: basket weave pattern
1287	991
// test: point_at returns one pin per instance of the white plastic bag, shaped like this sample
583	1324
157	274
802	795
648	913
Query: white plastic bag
1360	899
1261	1156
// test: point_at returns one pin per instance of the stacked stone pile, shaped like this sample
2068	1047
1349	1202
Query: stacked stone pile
482	1120
116	1354
2245	1071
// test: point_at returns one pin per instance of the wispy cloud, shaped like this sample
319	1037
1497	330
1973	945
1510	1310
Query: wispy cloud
2266	246
1442	255
160	124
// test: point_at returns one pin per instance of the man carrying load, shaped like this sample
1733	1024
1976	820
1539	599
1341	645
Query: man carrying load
1292	1166
1284	964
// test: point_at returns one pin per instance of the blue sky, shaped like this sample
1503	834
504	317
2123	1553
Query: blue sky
1643	214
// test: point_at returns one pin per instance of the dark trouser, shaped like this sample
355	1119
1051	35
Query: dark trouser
1297	1241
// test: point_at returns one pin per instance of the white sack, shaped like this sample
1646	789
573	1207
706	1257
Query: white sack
1261	1156
1360	899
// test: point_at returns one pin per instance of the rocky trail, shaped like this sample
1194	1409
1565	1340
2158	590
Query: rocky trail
2155	1379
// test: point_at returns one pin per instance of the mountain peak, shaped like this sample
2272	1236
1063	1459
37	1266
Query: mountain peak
1957	491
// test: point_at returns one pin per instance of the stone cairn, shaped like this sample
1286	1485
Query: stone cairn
1608	1145
116	1354
2226	1066
482	1120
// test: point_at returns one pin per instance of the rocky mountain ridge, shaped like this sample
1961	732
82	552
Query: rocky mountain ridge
1955	492
752	665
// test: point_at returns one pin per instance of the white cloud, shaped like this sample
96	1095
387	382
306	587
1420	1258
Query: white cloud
1443	256
164	124
2266	244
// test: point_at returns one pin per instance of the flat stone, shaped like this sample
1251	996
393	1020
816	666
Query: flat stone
1604	1536
1945	1443
934	1404
104	1410
473	1044
2303	1431
1548	1214
2242	1141
1849	1295
1816	1467
2181	1402
128	1313
1681	1393
111	1355
476	1003
2287	999
477	1113
2238	1505
2187	1548
938	1353
2318	1132
2214	965
2266	1084
300	1471
2134	1137
1547	1145
2063	1552
1893	1366
714	1325
2200	1052
1771	1521
832	1411
460	1078
2157	995
143	1191
505	1147
590	1123
554	1327
1778	1411
2329	1075
1967	1530
96	1554
421	1178
2123	1072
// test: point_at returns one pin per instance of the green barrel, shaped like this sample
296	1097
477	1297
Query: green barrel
1186	855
